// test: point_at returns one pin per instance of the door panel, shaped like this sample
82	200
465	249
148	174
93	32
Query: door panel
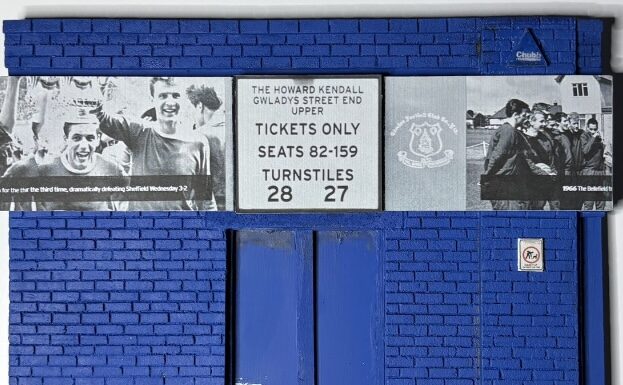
308	308
271	344
349	314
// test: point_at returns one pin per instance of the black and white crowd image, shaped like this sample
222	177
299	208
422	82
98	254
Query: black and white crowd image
114	143
539	143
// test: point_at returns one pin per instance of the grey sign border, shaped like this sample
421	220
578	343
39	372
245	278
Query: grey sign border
380	133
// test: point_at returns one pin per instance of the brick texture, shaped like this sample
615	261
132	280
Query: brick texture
139	298
106	299
432	296
589	56
529	323
556	37
387	46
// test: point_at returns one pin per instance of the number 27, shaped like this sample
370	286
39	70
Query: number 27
331	190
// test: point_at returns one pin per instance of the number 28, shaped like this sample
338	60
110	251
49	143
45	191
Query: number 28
280	195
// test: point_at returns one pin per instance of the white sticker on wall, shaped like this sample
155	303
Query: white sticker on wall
530	254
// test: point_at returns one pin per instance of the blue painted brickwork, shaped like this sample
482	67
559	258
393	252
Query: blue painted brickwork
103	299
450	318
589	36
529	323
432	296
555	35
388	46
137	295
129	298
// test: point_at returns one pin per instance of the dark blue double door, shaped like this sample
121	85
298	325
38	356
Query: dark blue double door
308	308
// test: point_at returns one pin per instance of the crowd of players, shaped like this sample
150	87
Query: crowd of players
538	141
98	143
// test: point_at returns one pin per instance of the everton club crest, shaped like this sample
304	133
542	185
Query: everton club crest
424	132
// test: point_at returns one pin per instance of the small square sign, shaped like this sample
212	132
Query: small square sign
530	254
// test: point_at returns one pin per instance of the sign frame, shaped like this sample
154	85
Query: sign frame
380	147
523	244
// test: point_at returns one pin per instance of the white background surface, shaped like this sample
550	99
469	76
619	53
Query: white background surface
13	9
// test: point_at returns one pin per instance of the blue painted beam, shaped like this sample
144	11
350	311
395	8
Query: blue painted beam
594	260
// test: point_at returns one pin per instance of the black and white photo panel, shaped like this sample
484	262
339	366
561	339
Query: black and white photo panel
306	143
115	143
526	143
539	143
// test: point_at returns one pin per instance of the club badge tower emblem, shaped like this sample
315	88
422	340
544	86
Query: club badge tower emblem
426	147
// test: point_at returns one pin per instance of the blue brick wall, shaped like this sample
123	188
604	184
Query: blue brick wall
116	299
589	36
129	297
556	36
529	321
432	295
388	46
454	310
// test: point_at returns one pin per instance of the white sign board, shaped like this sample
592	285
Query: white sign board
308	143
530	254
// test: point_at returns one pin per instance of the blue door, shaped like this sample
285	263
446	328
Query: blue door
349	308
308	308
273	332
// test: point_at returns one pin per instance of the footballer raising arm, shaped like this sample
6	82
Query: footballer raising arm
164	147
